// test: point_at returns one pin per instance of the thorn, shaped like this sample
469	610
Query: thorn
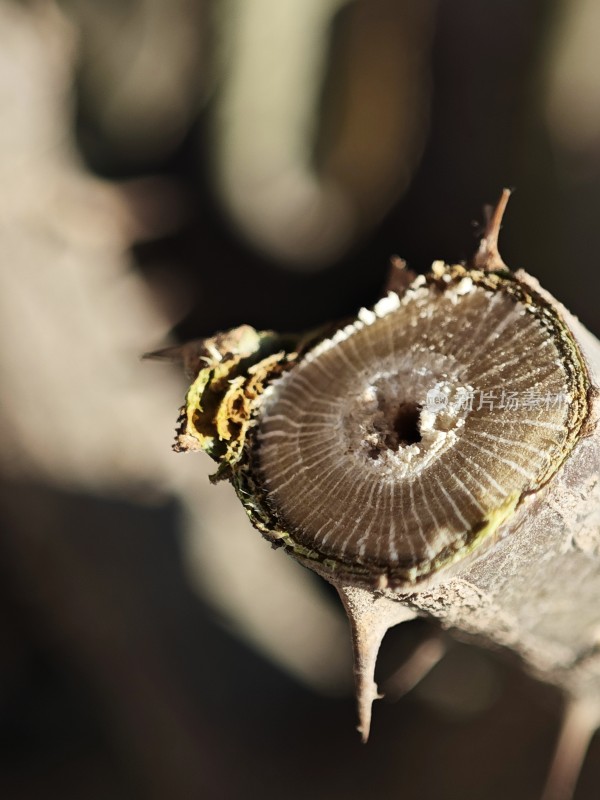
188	355
172	353
371	616
488	257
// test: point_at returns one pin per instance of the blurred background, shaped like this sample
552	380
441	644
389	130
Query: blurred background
169	169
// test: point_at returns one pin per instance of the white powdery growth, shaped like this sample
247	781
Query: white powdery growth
388	304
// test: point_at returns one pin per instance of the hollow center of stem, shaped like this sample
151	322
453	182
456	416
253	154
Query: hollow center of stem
395	420
397	428
402	420
405	428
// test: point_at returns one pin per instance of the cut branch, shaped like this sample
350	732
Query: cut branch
439	456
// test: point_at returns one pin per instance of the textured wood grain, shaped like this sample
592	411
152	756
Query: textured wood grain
399	441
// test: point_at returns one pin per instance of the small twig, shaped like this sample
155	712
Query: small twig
488	257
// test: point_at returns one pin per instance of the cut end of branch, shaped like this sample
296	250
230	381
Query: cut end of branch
488	257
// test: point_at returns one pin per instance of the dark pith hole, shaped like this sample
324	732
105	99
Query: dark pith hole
406	425
398	430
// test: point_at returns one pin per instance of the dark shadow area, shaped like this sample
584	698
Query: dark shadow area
118	682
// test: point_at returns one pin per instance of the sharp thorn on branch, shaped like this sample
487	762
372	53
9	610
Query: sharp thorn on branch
488	257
